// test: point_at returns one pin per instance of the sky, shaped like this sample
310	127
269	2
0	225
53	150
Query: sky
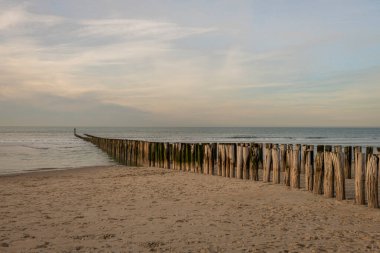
190	63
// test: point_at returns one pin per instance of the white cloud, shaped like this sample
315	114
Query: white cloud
137	28
13	17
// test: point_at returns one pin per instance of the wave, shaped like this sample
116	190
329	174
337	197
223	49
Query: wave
42	148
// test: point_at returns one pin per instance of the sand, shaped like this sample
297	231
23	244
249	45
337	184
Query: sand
120	209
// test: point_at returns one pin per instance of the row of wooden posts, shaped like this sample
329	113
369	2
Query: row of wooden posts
324	171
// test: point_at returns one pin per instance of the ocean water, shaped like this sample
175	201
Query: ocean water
25	149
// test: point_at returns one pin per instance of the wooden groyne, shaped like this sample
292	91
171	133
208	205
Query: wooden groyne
324	169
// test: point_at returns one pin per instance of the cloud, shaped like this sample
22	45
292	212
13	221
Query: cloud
18	15
170	72
138	28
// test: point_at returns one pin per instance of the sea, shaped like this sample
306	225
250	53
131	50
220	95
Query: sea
28	149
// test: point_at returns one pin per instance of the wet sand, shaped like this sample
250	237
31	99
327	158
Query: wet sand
120	209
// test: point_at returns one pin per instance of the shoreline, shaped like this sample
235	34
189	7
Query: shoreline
128	209
43	170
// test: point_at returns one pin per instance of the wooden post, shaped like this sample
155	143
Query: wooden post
359	176
267	163
227	160
289	161
276	164
328	186
205	159
214	159
372	179
254	168
239	161
369	152
282	157
309	168
219	170
196	166
183	156
223	159
174	155
347	161
189	157
193	158
261	155
232	158
211	151
295	169
303	157
246	161
200	158
167	155
338	162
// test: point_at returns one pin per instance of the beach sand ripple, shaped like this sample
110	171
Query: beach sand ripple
120	209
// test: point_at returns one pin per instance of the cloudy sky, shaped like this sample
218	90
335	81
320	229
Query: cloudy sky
190	63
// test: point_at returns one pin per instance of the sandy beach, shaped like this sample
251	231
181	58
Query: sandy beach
120	209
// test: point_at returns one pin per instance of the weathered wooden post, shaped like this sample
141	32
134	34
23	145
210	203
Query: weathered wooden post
193	158
246	160
276	164
261	156
359	176
200	158
267	163
369	152
167	155
219	171
187	157
309	168
178	155
205	159
295	169
372	179
183	156
254	168
282	157
213	159
223	158
328	186
303	157
347	161
232	158
154	154
239	161
338	163
289	162
228	160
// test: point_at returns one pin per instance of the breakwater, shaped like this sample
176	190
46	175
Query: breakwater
323	169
